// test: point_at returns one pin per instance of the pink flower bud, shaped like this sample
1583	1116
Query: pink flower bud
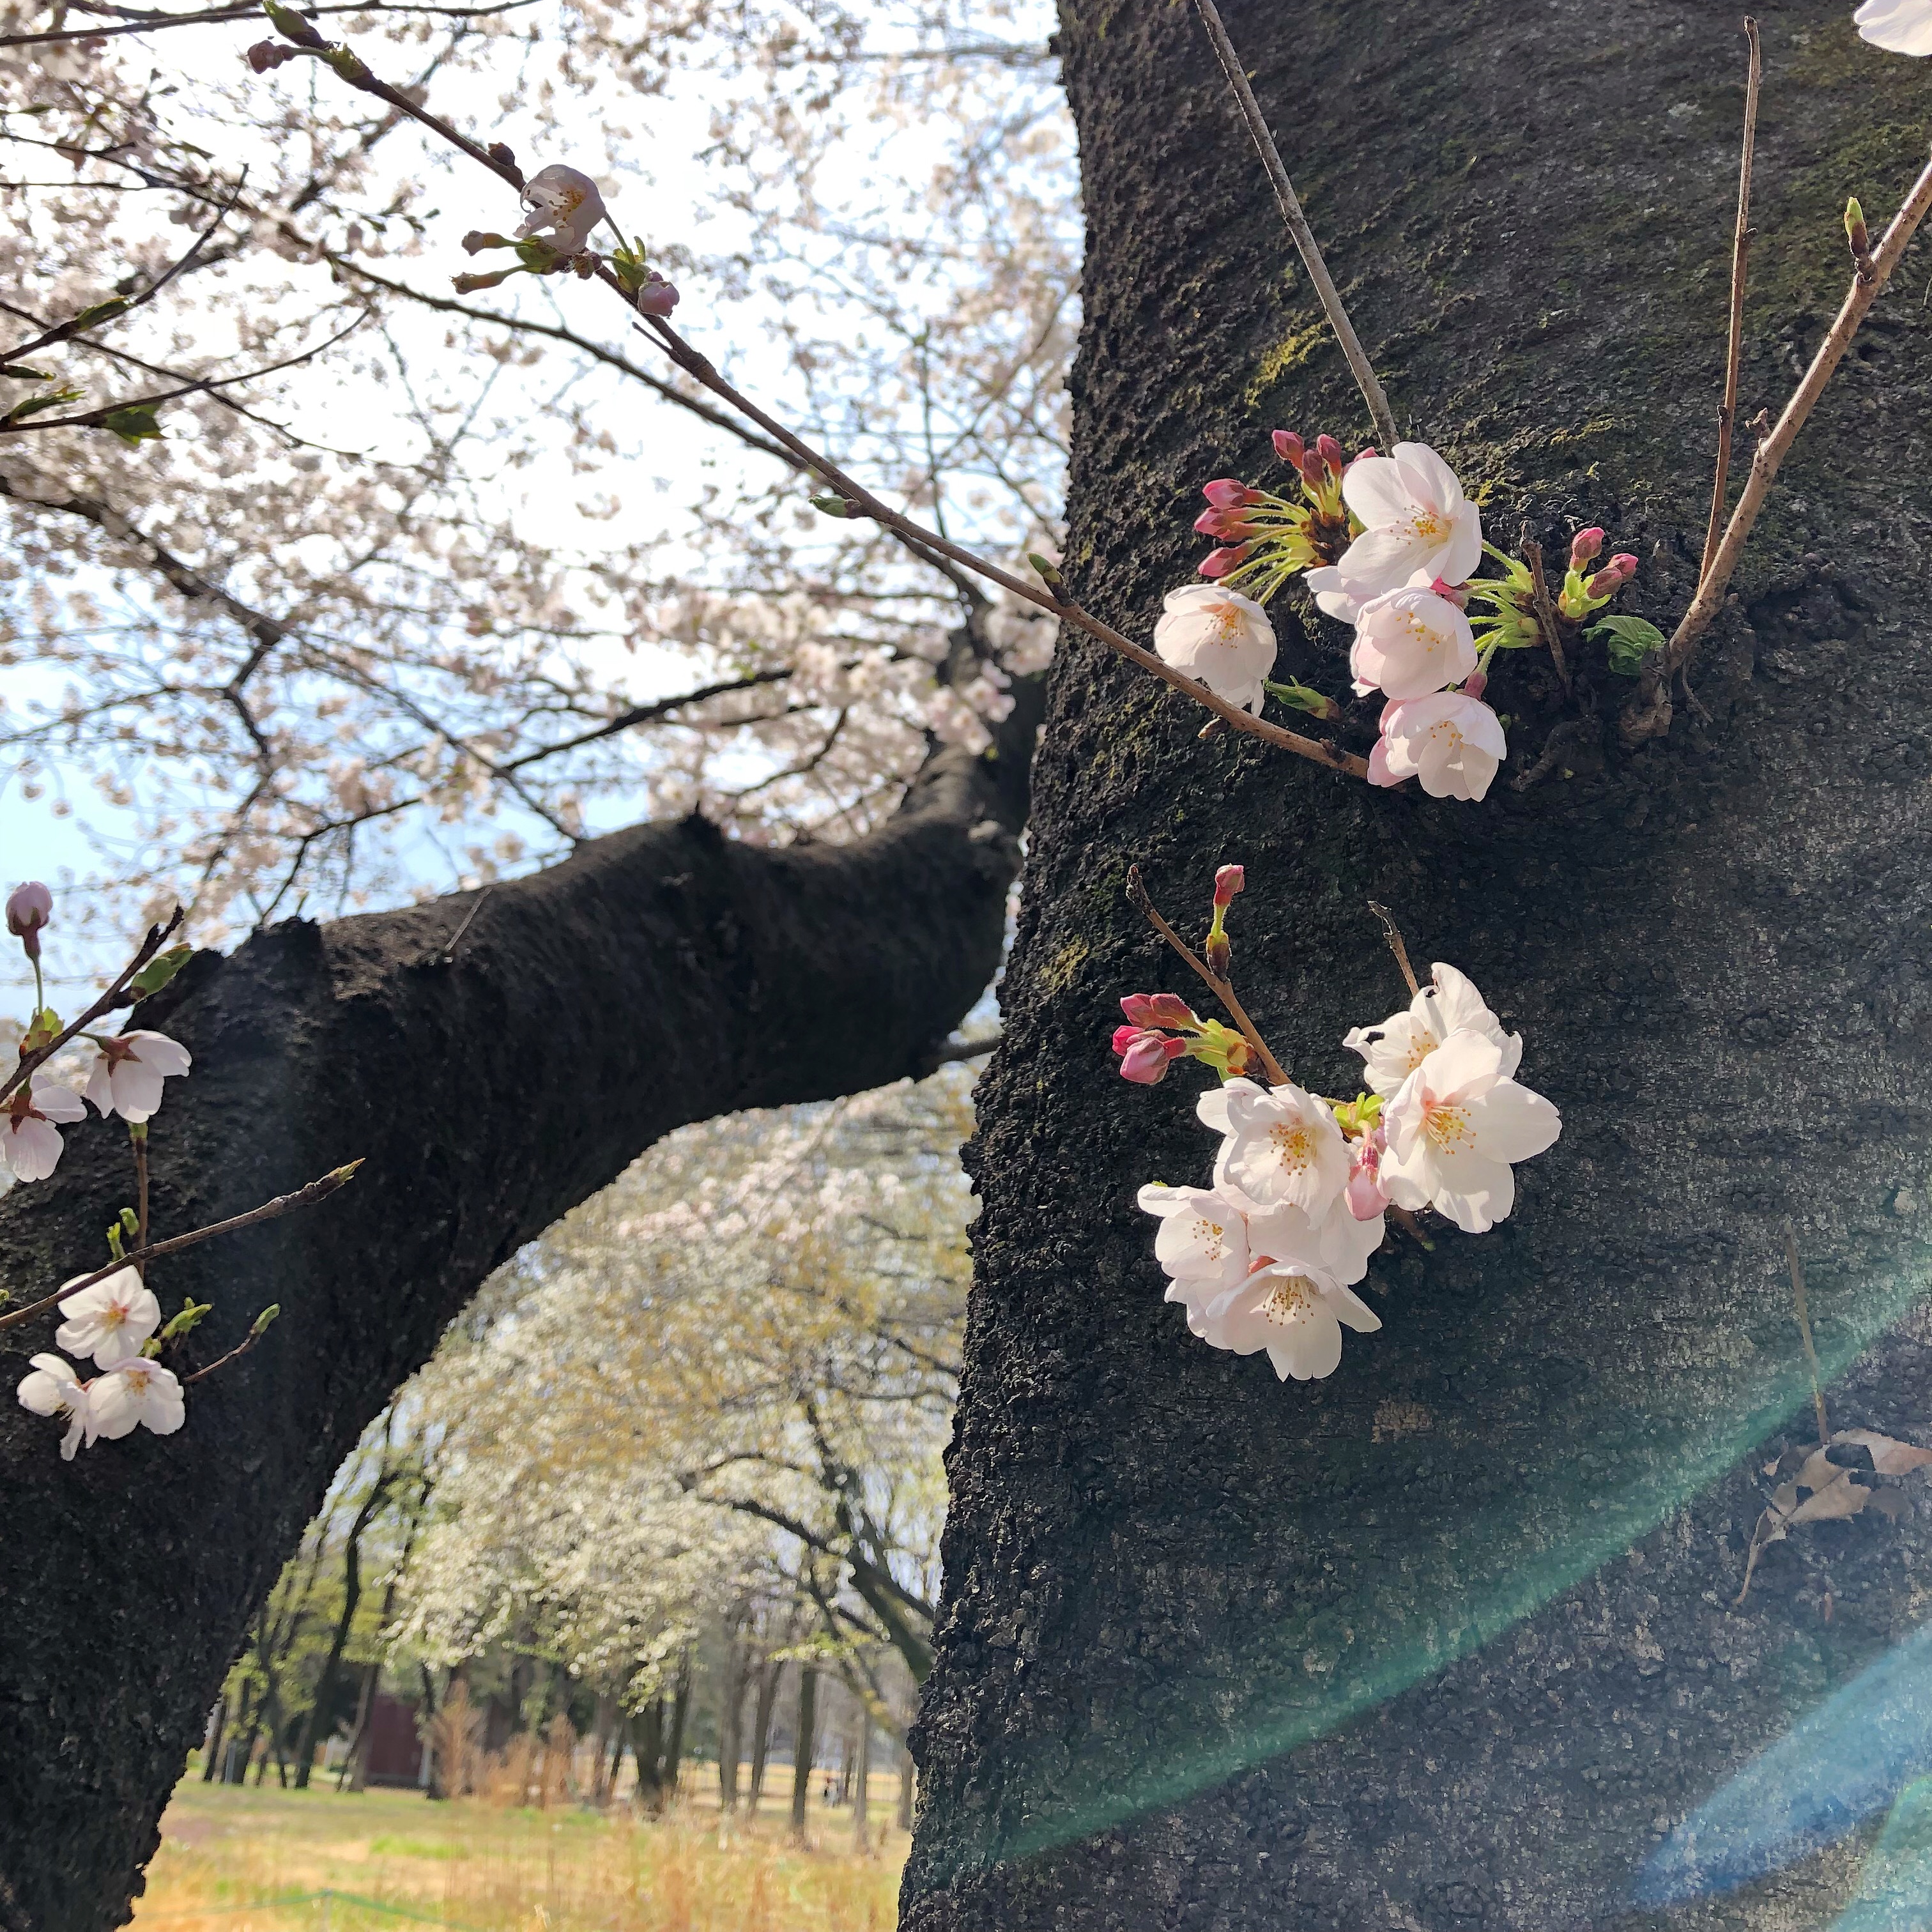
28	908
1586	547
1145	1057
1224	524
1289	447
1624	565
1330	451
1365	1197
657	297
1371	451
1227	881
1158	1009
1218	563
1457	594
1227	494
1475	684
1613	576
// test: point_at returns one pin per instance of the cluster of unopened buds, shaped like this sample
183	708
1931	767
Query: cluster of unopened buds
112	1317
563	207
1268	1256
1390	545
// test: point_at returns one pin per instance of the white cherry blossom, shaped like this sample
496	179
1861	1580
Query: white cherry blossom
1454	1129
565	206
110	1321
1409	643
1295	1312
30	1142
1899	26
126	1078
1282	1148
1202	1241
1219	637
1334	595
138	1394
1454	743
1392	1051
52	1388
1416	523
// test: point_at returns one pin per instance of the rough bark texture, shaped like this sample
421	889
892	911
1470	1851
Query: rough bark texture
1448	1641
661	976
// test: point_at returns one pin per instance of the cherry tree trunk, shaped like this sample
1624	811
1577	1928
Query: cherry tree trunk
493	1059
1448	1641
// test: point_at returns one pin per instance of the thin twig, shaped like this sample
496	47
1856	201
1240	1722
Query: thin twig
1804	1329
241	1348
447	956
1864	291
145	23
105	1003
1359	365
1137	896
1546	611
862	501
1392	934
303	1197
1740	250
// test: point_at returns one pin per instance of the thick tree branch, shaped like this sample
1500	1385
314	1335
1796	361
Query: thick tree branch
660	975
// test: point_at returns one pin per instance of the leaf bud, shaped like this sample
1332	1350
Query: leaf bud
291	25
1855	232
262	1320
835	506
1219	954
1049	572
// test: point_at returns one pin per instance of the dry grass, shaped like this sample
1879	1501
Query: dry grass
236	1860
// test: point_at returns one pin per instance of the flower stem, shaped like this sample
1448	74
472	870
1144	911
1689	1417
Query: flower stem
1392	934
1741	243
1137	896
1359	365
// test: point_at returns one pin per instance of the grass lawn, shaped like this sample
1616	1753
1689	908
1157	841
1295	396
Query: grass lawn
236	1859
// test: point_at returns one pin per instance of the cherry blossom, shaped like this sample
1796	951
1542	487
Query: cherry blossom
1250	1282
138	1394
1202	1241
565	206
1364	1196
52	1388
30	1142
1454	1129
1452	742
1281	1147
1899	26
1393	1050
1416	525
126	1078
110	1321
1295	1312
1409	643
1219	637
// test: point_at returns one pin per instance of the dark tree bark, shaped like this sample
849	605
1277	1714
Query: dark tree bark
490	1081
804	1745
769	1672
1447	1640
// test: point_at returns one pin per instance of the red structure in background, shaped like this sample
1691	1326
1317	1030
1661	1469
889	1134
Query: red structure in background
395	1750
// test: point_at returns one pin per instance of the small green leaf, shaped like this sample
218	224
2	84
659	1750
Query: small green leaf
539	257
1631	639
191	1313
159	970
21	373
262	1320
32	406
100	312
134	425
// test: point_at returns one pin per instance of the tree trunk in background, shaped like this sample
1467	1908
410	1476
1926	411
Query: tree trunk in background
761	1727
1448	1641
731	1723
804	1746
661	976
680	1709
210	1744
862	1771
